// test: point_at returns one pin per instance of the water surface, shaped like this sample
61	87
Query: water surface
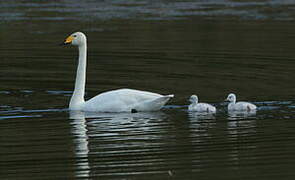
208	48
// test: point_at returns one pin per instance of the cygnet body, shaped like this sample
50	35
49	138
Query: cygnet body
200	107
239	106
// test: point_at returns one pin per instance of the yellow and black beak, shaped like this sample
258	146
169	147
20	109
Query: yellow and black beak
68	40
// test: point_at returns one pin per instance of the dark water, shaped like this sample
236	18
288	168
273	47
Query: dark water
209	48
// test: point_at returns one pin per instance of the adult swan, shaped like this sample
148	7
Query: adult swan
121	100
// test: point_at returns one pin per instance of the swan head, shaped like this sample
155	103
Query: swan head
231	97
76	39
194	99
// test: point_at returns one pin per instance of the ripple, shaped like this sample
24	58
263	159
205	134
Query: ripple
160	10
133	145
20	116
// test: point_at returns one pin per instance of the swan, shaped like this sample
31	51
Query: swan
120	100
200	107
238	106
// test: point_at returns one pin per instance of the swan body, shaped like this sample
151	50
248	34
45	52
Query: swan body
126	100
121	100
239	106
200	107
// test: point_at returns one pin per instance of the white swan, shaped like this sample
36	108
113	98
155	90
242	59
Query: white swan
200	107
121	100
239	106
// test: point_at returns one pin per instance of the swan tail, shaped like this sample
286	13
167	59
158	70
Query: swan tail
153	105
162	100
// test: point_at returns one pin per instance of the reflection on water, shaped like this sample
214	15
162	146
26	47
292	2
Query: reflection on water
235	115
79	131
102	128
185	47
240	126
200	115
165	144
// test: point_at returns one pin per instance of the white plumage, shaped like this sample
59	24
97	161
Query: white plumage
121	100
126	100
200	107
239	106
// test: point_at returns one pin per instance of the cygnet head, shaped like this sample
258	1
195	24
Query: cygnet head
194	99
76	39
231	97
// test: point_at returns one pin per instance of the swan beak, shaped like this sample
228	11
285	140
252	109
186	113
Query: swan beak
68	40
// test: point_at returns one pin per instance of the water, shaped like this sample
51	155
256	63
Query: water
181	47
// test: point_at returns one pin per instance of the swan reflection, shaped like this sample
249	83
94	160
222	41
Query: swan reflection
103	127
235	115
108	120
240	126
79	131
200	123
193	115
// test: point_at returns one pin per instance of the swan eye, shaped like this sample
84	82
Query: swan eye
74	35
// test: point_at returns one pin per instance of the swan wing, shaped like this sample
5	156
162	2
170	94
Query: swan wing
244	106
202	107
153	104
124	100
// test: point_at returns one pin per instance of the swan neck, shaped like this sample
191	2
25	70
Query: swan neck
77	99
233	102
